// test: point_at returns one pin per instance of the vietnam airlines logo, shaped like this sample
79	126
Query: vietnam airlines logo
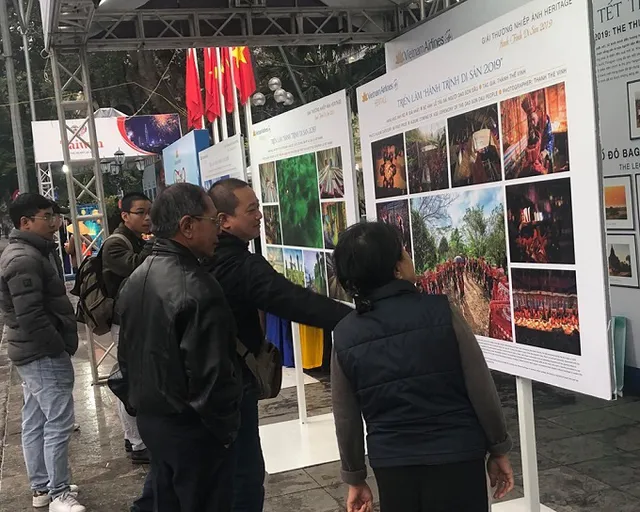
400	59
365	97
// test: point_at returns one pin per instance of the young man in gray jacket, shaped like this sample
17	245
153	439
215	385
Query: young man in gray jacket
42	336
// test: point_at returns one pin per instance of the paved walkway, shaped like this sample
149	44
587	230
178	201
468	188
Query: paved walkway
589	451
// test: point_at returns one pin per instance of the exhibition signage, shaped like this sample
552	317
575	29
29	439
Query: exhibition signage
305	181
444	28
180	160
136	136
223	160
489	168
617	49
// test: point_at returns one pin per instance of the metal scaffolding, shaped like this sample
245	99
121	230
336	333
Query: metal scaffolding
72	28
70	72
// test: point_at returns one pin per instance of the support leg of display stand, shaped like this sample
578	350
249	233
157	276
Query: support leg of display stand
92	356
526	419
297	359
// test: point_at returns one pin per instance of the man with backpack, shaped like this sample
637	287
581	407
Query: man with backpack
121	254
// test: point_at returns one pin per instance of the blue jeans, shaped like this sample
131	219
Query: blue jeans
47	422
248	478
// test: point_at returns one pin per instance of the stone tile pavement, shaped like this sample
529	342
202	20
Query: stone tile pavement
589	451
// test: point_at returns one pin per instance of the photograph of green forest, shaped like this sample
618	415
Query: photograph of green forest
300	201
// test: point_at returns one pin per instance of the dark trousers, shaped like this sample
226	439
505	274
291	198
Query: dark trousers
192	471
460	487
145	502
248	480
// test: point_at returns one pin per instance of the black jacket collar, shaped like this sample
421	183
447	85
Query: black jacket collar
395	287
227	240
42	244
166	246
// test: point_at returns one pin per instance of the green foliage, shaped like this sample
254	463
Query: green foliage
443	248
424	245
300	201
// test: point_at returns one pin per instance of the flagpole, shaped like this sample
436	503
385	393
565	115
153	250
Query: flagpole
223	109
236	108
248	118
216	131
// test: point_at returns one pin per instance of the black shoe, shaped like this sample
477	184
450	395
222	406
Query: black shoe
140	456
127	446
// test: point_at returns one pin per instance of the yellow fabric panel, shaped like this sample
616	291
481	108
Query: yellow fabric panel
312	343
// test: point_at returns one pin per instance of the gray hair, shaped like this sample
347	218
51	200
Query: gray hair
174	203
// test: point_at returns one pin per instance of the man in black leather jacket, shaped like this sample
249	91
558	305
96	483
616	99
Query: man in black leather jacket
178	354
251	285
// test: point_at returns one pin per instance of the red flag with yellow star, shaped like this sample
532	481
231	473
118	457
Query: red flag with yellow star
193	96
243	72
227	82
213	109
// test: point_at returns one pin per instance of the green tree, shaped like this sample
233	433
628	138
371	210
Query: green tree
443	249
496	241
424	246
456	244
475	230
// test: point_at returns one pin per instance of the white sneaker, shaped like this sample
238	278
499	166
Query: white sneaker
66	502
42	499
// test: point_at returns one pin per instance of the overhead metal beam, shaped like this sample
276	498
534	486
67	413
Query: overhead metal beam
166	29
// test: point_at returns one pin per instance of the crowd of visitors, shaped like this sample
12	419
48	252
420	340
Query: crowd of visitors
192	359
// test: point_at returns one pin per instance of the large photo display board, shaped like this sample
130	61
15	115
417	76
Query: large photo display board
303	174
489	166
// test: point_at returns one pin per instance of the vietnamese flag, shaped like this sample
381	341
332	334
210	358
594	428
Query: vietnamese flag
243	72
227	83
213	109
193	95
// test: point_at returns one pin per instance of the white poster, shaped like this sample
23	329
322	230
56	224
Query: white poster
490	170
223	160
444	28
303	174
617	50
135	136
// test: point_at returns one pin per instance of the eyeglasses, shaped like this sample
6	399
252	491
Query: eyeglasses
141	213
215	220
51	219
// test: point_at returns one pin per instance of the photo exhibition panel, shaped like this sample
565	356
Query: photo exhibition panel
489	168
305	181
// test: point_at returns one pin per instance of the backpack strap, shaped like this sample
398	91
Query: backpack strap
121	237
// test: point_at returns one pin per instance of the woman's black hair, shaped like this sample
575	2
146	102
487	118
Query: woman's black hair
366	257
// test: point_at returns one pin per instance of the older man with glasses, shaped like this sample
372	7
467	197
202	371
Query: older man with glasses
42	336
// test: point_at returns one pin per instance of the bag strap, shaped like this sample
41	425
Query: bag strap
121	237
247	356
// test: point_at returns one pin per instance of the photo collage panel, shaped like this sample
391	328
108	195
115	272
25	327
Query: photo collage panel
305	211
473	194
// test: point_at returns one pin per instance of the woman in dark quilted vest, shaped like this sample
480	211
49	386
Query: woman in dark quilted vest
411	366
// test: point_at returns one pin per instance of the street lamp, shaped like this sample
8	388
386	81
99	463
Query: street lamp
119	159
279	95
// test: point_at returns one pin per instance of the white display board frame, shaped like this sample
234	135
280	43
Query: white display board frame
516	54
225	159
401	101
311	128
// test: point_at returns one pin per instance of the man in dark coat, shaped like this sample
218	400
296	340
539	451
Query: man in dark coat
251	285
42	335
178	356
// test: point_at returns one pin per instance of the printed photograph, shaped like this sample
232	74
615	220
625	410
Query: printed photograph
330	173
336	291
534	133
545	307
396	213
389	167
460	250
271	221
618	202
474	147
275	257
622	260
427	158
268	183
294	266
540	220
633	99
315	272
334	222
299	201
